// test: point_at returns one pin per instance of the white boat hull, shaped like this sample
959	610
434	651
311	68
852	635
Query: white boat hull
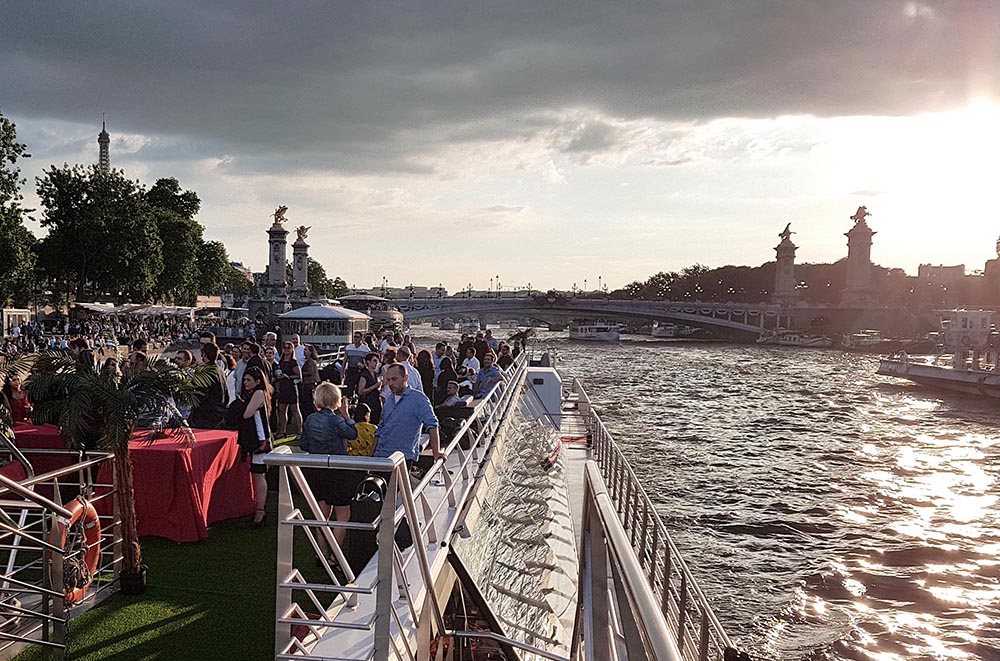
969	382
592	336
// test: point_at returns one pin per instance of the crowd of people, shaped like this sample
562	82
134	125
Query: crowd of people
104	334
374	401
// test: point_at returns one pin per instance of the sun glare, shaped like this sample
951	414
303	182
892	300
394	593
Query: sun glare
926	173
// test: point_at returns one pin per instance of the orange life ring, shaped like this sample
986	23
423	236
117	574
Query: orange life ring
80	572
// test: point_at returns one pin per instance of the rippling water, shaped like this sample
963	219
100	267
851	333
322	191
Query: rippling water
828	512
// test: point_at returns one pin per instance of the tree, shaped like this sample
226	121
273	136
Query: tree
213	268
17	244
180	277
167	194
340	288
238	284
320	284
102	238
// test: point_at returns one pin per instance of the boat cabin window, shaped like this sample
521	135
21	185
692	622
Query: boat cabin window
315	326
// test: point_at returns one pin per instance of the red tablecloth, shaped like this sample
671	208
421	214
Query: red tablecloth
179	490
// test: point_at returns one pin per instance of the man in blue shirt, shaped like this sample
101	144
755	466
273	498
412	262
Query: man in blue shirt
488	377
403	414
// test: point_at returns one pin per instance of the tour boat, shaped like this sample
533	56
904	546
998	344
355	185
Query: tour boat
792	338
968	361
470	326
597	331
326	327
533	539
383	316
447	324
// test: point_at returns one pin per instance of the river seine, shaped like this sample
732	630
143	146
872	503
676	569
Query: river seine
828	512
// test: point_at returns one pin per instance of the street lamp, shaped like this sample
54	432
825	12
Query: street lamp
498	285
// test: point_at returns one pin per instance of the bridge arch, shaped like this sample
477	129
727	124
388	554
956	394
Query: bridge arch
730	318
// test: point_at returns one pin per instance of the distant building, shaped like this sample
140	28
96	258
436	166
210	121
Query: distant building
414	291
942	275
247	273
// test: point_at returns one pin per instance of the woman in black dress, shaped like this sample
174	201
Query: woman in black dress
369	386
286	375
425	367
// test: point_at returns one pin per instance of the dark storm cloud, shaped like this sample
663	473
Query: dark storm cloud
378	85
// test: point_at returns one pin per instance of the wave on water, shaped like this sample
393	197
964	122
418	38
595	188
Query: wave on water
829	513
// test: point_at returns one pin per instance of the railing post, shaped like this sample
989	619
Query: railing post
383	591
652	557
645	527
682	611
286	535
666	579
703	642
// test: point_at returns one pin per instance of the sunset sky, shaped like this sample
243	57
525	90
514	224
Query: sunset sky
545	142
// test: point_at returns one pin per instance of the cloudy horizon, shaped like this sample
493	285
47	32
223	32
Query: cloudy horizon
545	142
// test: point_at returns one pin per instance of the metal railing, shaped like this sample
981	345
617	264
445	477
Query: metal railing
33	606
698	633
379	612
604	546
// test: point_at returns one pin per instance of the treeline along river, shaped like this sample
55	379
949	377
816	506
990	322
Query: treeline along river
828	512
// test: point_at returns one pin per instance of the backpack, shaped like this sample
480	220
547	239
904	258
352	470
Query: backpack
234	414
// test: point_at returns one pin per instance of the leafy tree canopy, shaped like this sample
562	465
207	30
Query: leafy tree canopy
17	244
167	194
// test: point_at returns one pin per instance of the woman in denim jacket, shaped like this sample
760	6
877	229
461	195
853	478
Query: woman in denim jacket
327	432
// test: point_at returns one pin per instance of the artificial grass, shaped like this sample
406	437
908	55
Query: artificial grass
212	599
208	600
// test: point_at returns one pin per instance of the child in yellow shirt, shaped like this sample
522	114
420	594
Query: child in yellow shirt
364	444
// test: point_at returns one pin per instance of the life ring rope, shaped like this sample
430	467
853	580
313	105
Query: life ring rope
79	571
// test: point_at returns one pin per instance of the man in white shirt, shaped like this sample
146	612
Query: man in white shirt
354	357
403	356
300	350
439	353
271	342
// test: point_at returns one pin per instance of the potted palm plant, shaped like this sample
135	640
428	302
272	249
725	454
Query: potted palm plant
104	409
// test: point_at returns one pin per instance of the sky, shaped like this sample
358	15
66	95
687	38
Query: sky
542	142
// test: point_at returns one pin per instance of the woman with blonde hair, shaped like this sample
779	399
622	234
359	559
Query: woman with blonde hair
327	432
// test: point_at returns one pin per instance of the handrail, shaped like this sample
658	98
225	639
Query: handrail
33	606
649	538
431	526
604	540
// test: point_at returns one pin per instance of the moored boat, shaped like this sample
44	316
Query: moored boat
794	338
871	341
596	331
968	361
383	316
